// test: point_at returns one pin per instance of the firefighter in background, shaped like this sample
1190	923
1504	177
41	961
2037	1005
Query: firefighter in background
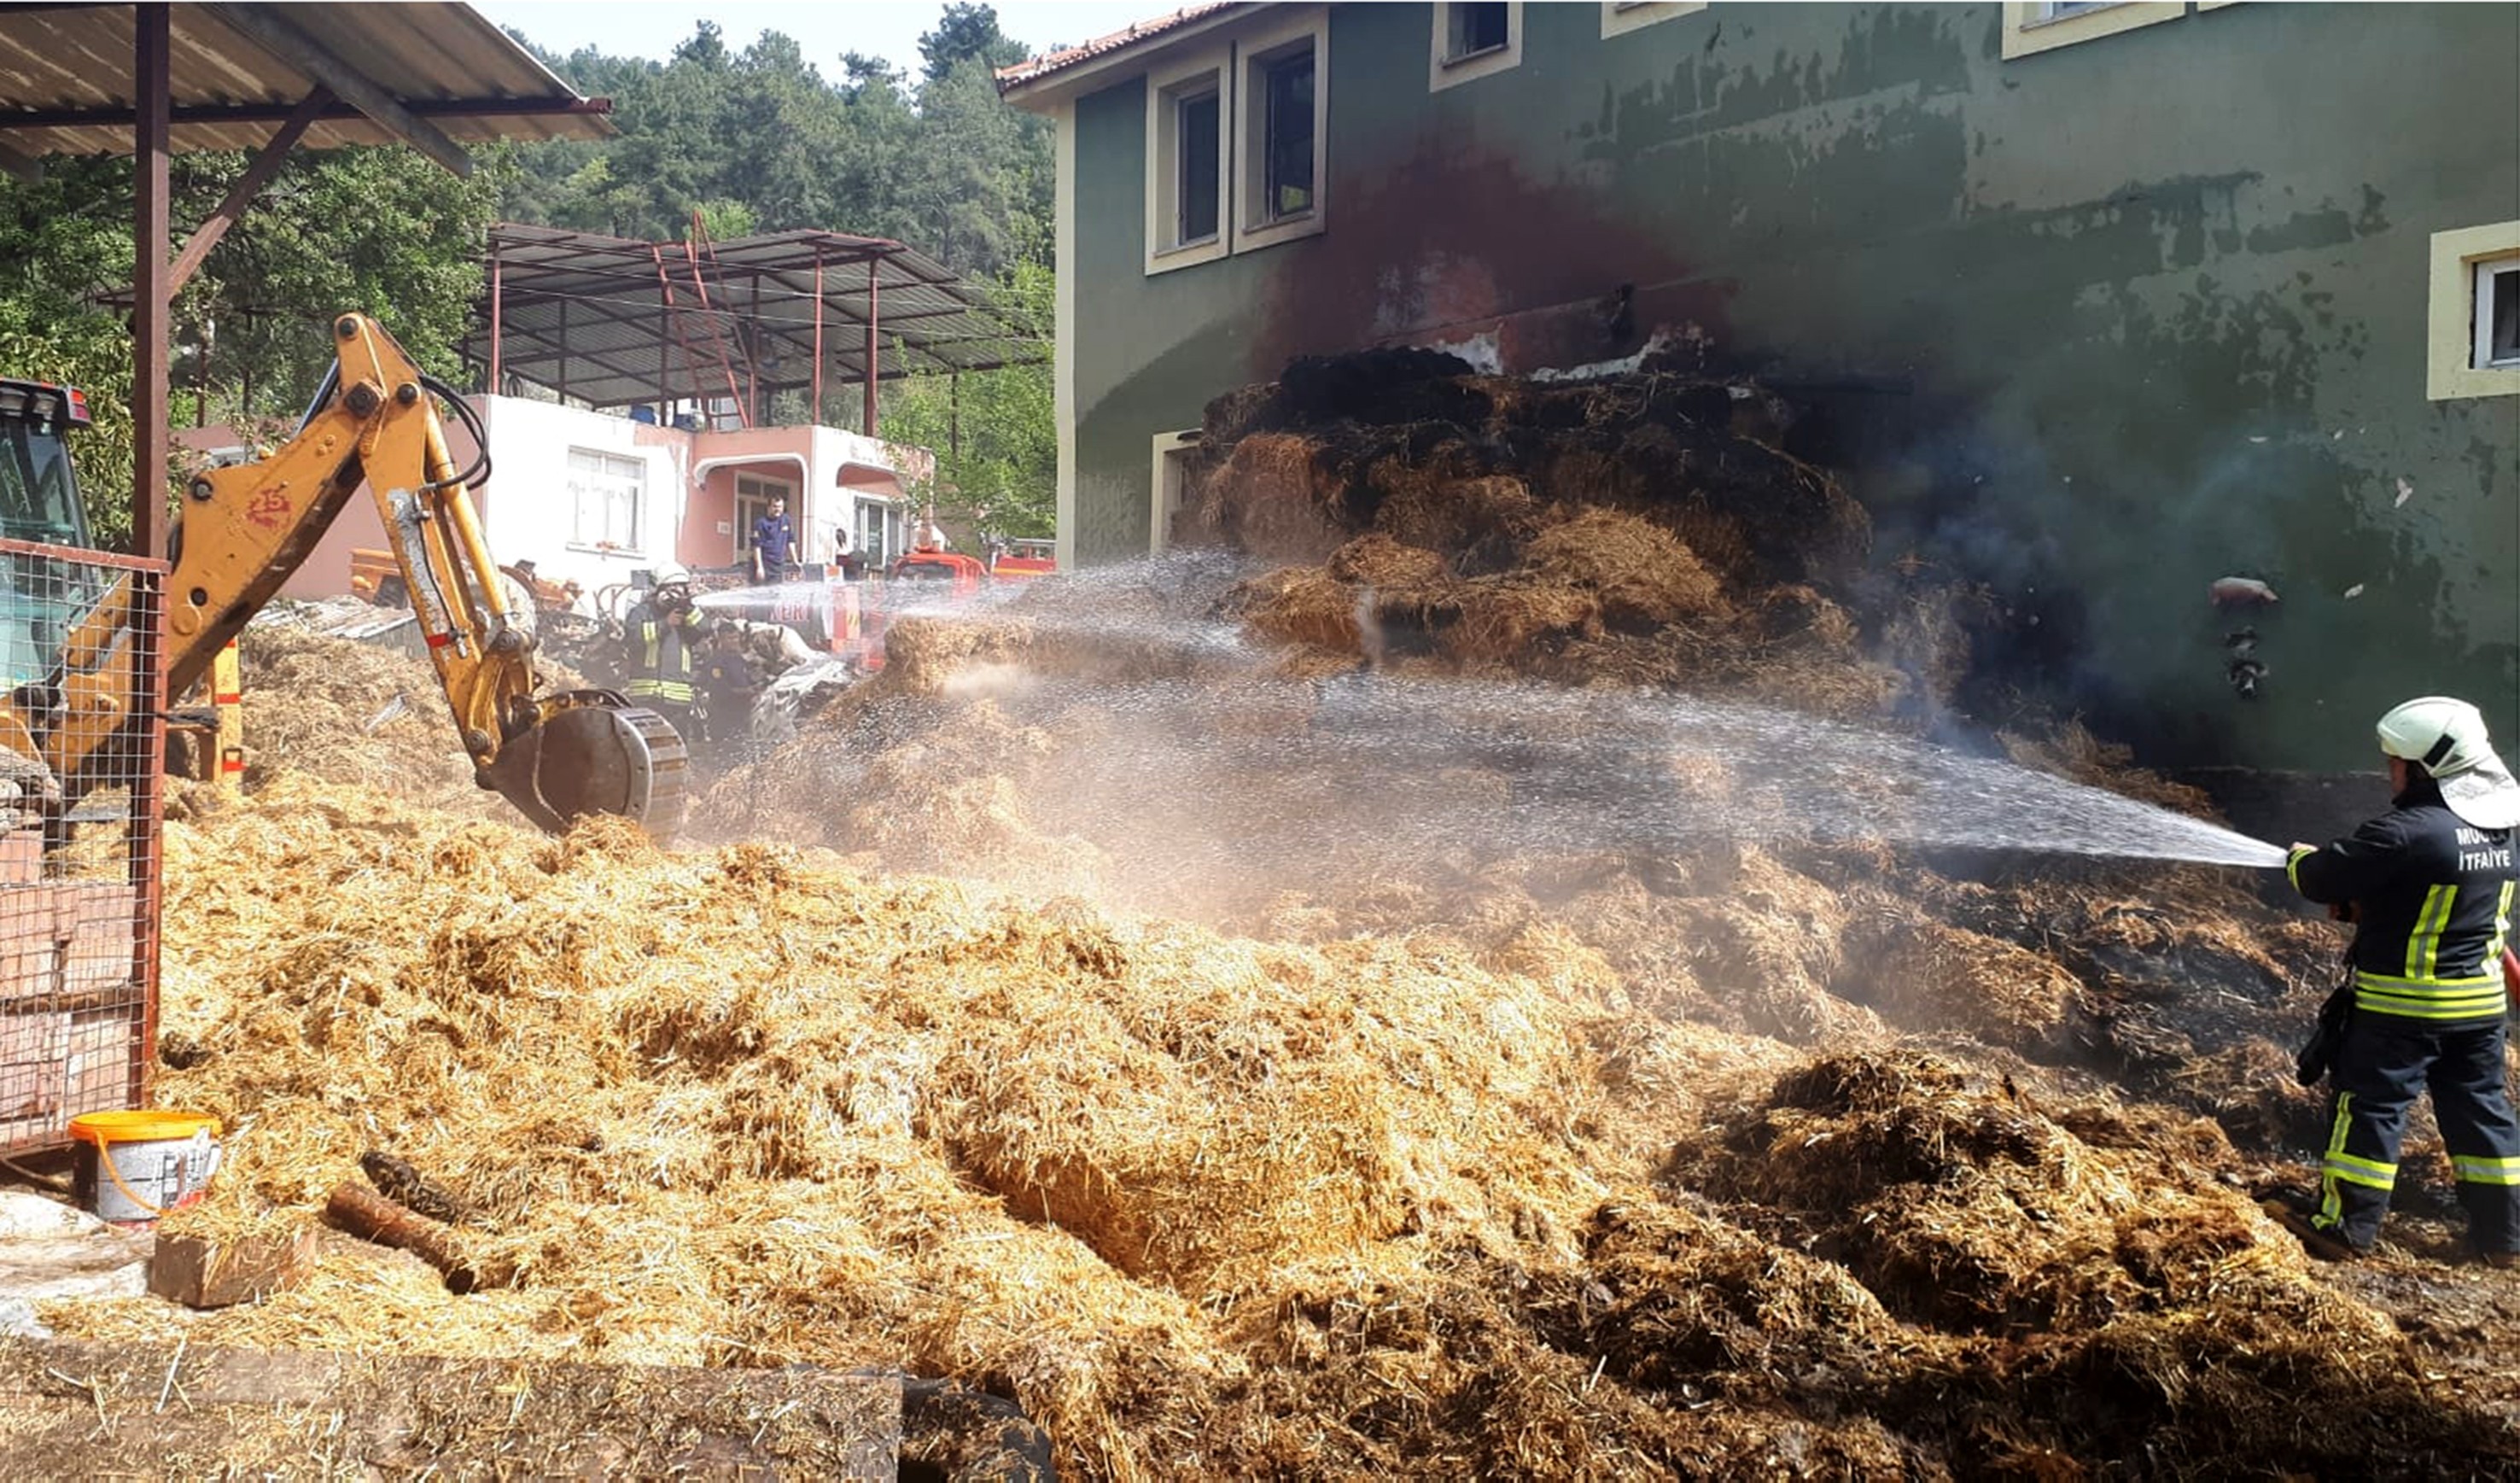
2428	886
659	639
727	687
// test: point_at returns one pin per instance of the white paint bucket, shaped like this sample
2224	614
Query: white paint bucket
134	1167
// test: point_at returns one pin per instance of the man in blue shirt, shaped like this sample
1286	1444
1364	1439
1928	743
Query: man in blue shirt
774	544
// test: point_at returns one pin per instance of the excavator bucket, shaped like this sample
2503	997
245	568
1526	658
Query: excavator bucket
593	753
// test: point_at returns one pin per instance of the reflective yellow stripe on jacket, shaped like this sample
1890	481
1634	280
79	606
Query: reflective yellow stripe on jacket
2478	997
649	685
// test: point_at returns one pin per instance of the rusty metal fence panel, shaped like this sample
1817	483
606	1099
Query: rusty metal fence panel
82	737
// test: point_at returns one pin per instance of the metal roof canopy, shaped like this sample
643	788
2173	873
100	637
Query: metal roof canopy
235	77
435	77
611	320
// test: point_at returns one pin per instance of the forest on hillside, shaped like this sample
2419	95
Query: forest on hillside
758	139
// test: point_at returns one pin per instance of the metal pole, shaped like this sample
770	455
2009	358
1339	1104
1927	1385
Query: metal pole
498	294
563	351
150	81
817	419
874	346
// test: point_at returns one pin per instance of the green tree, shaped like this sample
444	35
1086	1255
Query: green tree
968	33
378	230
994	433
944	166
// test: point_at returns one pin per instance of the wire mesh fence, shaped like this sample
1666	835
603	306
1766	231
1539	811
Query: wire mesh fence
82	735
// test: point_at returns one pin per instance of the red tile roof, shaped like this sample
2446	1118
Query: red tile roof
1033	69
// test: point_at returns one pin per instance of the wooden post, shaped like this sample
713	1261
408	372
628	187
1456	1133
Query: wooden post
817	418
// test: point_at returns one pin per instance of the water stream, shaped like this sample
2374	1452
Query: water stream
1216	769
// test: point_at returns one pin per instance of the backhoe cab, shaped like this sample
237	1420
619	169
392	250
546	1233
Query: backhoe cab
242	530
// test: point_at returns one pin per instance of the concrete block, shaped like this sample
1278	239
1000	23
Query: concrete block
99	1060
94	969
21	857
32	1081
97	902
201	1273
33	910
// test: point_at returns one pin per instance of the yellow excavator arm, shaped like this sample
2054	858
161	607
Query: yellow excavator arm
243	529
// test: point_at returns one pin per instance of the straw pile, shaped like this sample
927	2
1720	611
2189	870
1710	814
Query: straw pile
1623	530
1771	1159
350	712
1203	1203
356	713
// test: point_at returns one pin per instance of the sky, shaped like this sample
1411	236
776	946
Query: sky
886	29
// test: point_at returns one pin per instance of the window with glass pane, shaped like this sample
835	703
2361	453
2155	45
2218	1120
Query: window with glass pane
1476	28
607	491
1289	83
1196	126
2497	315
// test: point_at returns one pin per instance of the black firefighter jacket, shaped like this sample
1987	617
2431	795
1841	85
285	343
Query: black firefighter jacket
2433	901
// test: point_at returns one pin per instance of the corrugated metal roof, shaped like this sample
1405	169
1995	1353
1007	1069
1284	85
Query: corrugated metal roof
66	75
586	314
1035	69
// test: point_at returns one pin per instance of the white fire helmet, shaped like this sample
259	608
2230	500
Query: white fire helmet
2448	737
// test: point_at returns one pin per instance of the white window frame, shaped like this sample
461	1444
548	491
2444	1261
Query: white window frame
2030	27
613	476
2461	262
1249	126
1443	69
2484	274
752	504
1166	87
1620	17
889	537
1170	486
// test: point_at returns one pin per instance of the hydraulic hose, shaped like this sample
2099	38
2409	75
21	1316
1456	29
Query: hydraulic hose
479	473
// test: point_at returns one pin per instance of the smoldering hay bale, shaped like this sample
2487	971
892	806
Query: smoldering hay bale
1928	975
1273	497
1643	575
1377	561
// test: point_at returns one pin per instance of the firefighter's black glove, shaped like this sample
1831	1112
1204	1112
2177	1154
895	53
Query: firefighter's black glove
2319	1055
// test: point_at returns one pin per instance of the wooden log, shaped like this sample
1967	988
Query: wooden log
396	1180
389	1224
201	1273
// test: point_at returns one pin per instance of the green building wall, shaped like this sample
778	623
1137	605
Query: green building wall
2097	325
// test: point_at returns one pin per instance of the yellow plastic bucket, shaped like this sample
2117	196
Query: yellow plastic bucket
136	1166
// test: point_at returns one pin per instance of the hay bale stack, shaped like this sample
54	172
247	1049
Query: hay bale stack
1375	559
1275	496
1643	577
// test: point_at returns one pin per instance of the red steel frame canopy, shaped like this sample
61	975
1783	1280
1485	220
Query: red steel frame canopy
264	77
611	320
